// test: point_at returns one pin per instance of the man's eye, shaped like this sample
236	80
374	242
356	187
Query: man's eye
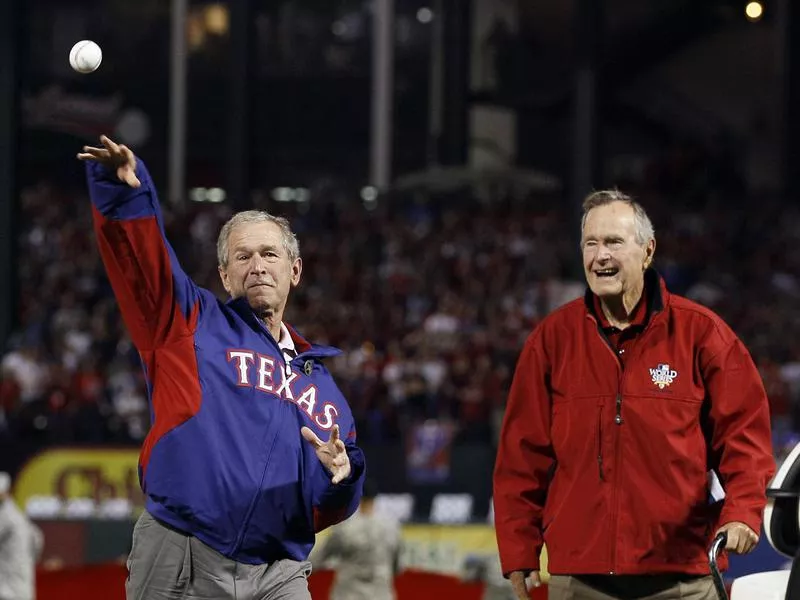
241	257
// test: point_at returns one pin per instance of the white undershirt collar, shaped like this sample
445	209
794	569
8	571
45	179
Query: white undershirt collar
286	344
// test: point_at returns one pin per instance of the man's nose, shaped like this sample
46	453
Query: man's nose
257	264
603	253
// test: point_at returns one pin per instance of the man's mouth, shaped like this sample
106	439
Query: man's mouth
610	272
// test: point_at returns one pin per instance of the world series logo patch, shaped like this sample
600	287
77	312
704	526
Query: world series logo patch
663	376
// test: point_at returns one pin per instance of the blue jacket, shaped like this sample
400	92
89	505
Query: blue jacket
224	459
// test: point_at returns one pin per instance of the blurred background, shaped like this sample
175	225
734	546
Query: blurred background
431	155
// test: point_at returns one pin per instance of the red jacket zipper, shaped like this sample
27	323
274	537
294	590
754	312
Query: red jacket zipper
619	421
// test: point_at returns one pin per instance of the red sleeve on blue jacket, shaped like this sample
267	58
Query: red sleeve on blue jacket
157	299
159	304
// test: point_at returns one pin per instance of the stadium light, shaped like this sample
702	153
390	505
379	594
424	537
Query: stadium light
424	15
754	11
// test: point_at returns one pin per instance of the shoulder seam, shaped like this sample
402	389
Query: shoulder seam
716	322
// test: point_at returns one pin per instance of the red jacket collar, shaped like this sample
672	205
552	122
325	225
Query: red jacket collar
300	342
639	316
655	297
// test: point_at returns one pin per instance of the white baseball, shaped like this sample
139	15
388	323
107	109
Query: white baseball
85	56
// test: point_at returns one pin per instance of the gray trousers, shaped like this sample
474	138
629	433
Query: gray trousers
165	564
630	587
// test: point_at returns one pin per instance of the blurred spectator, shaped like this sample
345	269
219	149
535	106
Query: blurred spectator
429	300
21	544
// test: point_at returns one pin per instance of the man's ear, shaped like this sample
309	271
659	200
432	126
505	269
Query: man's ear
649	253
297	271
223	275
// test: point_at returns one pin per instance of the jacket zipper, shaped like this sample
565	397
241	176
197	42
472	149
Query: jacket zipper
618	404
600	444
619	421
249	514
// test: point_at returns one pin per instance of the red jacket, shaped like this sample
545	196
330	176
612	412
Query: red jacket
608	466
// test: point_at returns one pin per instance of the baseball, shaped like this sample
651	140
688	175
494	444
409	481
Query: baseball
85	56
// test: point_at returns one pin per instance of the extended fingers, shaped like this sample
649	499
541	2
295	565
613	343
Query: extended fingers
335	442
128	175
340	473
92	153
95	150
311	437
110	144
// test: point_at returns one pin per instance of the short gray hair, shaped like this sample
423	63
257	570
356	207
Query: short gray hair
643	224
256	216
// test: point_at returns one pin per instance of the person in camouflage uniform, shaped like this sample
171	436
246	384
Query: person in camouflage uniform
21	544
364	551
486	568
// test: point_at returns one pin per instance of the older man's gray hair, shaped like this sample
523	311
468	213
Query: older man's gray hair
290	243
644	226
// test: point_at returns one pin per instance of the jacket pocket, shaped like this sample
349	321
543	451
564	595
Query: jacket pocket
575	423
600	469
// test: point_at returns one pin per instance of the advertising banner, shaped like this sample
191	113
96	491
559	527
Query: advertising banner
66	473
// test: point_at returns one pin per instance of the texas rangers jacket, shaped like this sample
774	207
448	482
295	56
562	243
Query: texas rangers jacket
224	459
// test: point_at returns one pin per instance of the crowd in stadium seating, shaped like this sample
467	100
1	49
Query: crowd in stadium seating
430	302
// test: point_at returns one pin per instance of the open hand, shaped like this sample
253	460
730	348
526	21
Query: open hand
332	454
114	157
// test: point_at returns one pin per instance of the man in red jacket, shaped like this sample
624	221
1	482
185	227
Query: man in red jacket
622	404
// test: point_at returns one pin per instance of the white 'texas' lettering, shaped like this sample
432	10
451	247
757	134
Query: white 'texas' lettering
285	390
243	360
266	367
329	412
308	399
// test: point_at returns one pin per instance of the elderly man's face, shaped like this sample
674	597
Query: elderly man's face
613	261
259	267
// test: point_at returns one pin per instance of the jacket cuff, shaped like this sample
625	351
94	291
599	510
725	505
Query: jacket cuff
324	478
750	518
527	566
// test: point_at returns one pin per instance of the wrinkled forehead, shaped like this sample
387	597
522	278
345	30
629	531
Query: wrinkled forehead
255	234
615	219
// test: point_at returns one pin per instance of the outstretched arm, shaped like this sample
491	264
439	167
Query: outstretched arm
158	301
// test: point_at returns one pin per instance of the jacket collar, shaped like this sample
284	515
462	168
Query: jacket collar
655	294
242	308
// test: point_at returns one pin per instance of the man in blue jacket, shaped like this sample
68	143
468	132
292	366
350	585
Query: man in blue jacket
235	472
